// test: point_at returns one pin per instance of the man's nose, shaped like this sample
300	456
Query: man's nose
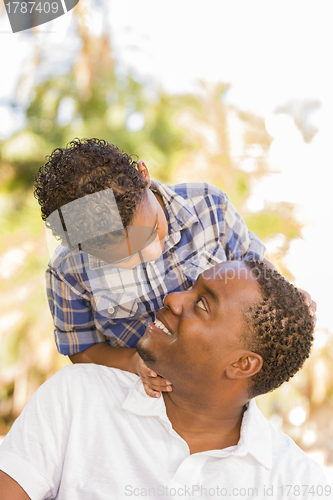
176	302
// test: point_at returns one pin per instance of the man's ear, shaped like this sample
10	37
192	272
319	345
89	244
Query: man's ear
248	365
144	172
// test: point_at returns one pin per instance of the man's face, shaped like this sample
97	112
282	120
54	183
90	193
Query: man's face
198	333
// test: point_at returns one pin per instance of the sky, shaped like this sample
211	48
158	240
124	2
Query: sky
270	52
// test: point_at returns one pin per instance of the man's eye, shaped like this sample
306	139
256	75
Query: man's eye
202	305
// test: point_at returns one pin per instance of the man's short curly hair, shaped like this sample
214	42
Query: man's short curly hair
84	167
281	329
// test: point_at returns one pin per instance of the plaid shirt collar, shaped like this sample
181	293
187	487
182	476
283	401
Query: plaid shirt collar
178	213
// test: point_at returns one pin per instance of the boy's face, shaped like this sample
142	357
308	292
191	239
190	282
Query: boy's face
143	240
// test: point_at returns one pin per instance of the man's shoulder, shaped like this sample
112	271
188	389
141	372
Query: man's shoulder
295	460
84	372
95	380
277	451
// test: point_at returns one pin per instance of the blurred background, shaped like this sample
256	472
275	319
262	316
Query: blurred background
237	94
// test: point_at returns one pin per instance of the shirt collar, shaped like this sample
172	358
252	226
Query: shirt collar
180	214
255	436
139	403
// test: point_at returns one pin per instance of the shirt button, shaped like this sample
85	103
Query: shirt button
110	309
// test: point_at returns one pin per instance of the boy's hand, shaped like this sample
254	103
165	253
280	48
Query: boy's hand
311	305
153	383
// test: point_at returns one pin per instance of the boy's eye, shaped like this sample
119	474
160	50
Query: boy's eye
201	305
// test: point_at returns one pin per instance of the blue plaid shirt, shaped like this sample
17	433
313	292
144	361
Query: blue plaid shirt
92	302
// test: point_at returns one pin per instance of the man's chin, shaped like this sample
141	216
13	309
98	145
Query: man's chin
145	354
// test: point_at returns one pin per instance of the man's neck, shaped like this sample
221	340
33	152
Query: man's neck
207	425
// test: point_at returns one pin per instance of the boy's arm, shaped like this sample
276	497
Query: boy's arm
104	354
125	359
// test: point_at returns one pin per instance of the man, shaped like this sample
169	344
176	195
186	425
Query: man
91	432
127	242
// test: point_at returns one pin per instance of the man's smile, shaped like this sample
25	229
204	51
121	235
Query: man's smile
161	326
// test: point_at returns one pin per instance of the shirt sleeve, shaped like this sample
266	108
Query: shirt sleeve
74	326
240	243
34	449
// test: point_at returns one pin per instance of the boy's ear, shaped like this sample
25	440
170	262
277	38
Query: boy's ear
144	172
248	365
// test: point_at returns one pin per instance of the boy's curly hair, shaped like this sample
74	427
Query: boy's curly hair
281	329
84	167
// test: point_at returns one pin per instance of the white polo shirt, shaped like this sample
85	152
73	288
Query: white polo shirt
92	433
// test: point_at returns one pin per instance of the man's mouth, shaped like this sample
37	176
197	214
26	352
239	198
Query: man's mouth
161	326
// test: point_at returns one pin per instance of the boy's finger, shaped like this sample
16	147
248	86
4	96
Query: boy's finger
156	385
312	308
151	392
147	372
153	382
164	381
306	296
156	390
